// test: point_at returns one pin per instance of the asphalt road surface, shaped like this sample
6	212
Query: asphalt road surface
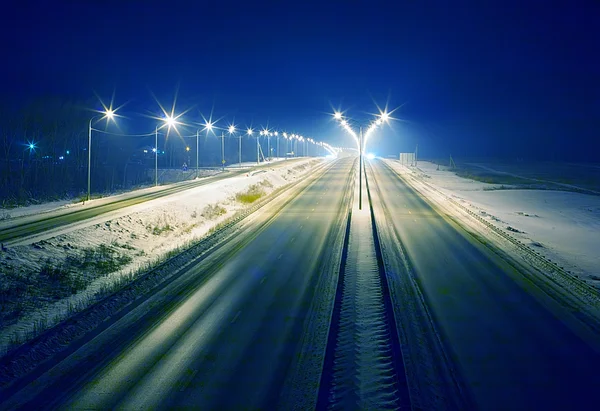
221	343
510	351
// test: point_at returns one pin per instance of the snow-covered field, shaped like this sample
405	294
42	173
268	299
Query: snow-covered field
44	280
559	225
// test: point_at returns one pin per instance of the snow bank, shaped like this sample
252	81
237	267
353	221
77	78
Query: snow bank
562	226
45	281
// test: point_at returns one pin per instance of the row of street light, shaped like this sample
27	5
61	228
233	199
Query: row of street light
170	121
346	123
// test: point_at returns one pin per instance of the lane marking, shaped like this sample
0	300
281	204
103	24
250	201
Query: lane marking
236	317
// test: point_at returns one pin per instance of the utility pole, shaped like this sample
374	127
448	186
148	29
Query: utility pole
223	151
257	151
360	165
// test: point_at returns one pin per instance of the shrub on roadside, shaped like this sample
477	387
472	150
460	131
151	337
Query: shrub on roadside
253	193
213	211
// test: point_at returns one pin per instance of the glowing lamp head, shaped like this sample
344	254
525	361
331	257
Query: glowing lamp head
249	131
337	115
109	114
285	135
276	134
231	129
384	117
370	156
187	149
170	121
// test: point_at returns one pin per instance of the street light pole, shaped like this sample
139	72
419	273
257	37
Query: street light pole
240	151
383	117
223	150
360	165
269	145
257	150
156	156
197	133
249	132
108	114
89	158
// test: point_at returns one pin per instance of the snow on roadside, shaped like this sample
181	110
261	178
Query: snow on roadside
43	282
561	226
9	214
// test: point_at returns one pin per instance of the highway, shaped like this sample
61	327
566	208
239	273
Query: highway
424	317
225	334
502	348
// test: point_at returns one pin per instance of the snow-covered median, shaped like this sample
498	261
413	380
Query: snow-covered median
563	227
43	282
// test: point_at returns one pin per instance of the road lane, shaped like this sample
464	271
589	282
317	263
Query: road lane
510	350
227	344
246	364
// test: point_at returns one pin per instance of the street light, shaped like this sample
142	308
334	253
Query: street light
208	127
268	134
232	131
249	132
295	144
108	114
223	150
345	124
169	121
262	133
383	117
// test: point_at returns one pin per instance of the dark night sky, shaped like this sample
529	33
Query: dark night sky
497	78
